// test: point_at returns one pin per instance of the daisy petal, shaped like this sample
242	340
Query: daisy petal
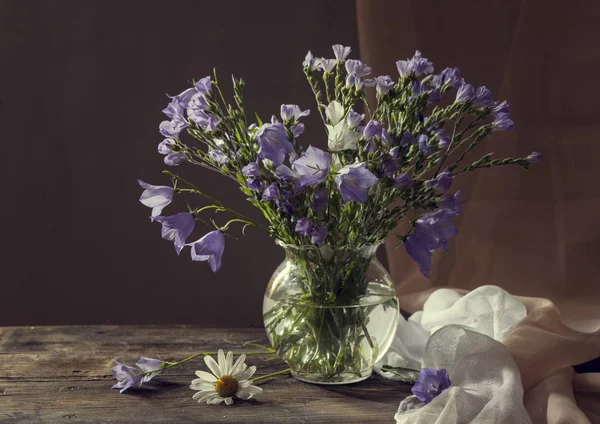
229	401
212	365
222	364
208	377
199	384
203	393
207	398
238	368
249	372
216	401
249	392
228	363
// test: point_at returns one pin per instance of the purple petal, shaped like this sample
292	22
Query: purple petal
209	248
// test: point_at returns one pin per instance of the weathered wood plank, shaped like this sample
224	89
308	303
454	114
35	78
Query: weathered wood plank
62	375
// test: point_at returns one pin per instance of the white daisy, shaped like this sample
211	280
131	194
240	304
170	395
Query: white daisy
229	380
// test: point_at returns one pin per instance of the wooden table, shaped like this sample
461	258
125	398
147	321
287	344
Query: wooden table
63	375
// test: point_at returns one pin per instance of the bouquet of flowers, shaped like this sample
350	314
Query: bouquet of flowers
387	161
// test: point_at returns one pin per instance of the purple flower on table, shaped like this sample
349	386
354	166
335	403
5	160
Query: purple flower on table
326	65
126	376
292	113
254	184
218	156
156	197
203	86
483	97
177	228
209	248
271	192
451	203
502	122
149	365
383	84
340	52
503	107
251	170
423	141
430	383
304	226
442	182
404	180
356	71
310	62
431	231
319	234
534	157
354	181
465	93
320	201
313	167
273	143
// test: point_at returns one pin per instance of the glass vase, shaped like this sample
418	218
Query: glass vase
330	312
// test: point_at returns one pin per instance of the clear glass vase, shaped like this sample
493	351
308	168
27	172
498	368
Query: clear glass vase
331	313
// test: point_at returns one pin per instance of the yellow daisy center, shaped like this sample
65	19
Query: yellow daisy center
226	386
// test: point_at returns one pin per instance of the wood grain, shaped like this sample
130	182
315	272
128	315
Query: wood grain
62	375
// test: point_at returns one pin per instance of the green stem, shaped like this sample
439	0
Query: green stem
196	190
273	374
168	365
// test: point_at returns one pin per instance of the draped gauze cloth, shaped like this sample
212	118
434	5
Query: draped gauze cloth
534	233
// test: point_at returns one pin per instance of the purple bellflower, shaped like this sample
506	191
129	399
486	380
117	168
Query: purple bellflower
126	376
404	180
502	122
271	192
442	182
293	113
156	197
209	248
340	52
171	158
431	231
251	170
534	157
465	93
353	182
430	383
313	167
149	365
273	143
177	228
418	64
307	228
383	84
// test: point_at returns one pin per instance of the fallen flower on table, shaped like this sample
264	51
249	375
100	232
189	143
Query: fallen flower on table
430	383
128	377
228	379
147	368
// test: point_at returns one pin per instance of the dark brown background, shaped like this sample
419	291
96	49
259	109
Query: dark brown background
81	92
82	89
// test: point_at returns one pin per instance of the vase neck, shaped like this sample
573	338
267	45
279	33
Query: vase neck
327	252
